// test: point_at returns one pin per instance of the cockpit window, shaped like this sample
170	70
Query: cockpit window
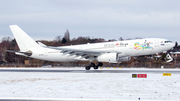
167	41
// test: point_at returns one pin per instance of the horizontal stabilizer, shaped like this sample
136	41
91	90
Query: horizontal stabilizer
41	44
29	53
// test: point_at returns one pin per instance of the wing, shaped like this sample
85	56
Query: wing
81	52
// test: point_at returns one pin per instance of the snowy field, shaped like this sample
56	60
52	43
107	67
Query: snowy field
103	86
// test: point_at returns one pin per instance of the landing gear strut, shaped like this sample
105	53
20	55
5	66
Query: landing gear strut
94	66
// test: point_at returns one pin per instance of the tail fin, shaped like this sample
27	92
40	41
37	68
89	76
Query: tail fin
24	41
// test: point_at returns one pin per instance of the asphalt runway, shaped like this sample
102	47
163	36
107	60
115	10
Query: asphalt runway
152	71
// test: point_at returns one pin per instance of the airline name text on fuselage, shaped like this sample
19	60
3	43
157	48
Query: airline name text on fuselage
116	44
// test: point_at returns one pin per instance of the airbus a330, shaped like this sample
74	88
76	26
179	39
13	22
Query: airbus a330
112	52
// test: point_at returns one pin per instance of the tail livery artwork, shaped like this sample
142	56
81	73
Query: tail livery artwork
112	52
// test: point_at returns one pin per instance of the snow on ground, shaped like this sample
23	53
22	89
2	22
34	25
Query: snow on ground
89	86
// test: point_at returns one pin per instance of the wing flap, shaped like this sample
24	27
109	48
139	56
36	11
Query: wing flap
80	52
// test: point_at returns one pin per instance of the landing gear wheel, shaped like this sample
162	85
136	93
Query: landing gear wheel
88	67
95	67
92	65
100	64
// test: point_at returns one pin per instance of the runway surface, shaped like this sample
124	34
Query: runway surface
55	99
81	70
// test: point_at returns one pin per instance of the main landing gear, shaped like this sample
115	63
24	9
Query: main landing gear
94	66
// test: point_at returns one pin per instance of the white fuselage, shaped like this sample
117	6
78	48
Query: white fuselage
128	48
112	52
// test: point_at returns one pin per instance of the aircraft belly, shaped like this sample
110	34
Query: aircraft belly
62	58
58	57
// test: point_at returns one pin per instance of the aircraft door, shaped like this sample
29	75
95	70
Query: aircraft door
156	43
45	52
148	45
131	46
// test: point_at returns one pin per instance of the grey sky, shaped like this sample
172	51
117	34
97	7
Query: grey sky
108	19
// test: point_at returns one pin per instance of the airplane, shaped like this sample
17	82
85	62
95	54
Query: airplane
111	52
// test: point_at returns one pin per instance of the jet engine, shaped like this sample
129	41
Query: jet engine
108	57
121	59
112	58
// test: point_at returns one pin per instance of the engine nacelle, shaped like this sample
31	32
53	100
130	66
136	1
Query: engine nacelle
121	59
112	58
108	57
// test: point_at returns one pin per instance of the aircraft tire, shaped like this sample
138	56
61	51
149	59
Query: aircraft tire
100	64
88	68
95	67
92	65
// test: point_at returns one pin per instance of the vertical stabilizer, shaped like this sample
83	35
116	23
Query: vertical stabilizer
24	41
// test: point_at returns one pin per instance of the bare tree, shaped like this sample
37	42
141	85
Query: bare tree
67	36
4	45
1	56
121	39
110	40
58	39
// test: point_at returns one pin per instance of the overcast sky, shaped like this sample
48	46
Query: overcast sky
108	19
